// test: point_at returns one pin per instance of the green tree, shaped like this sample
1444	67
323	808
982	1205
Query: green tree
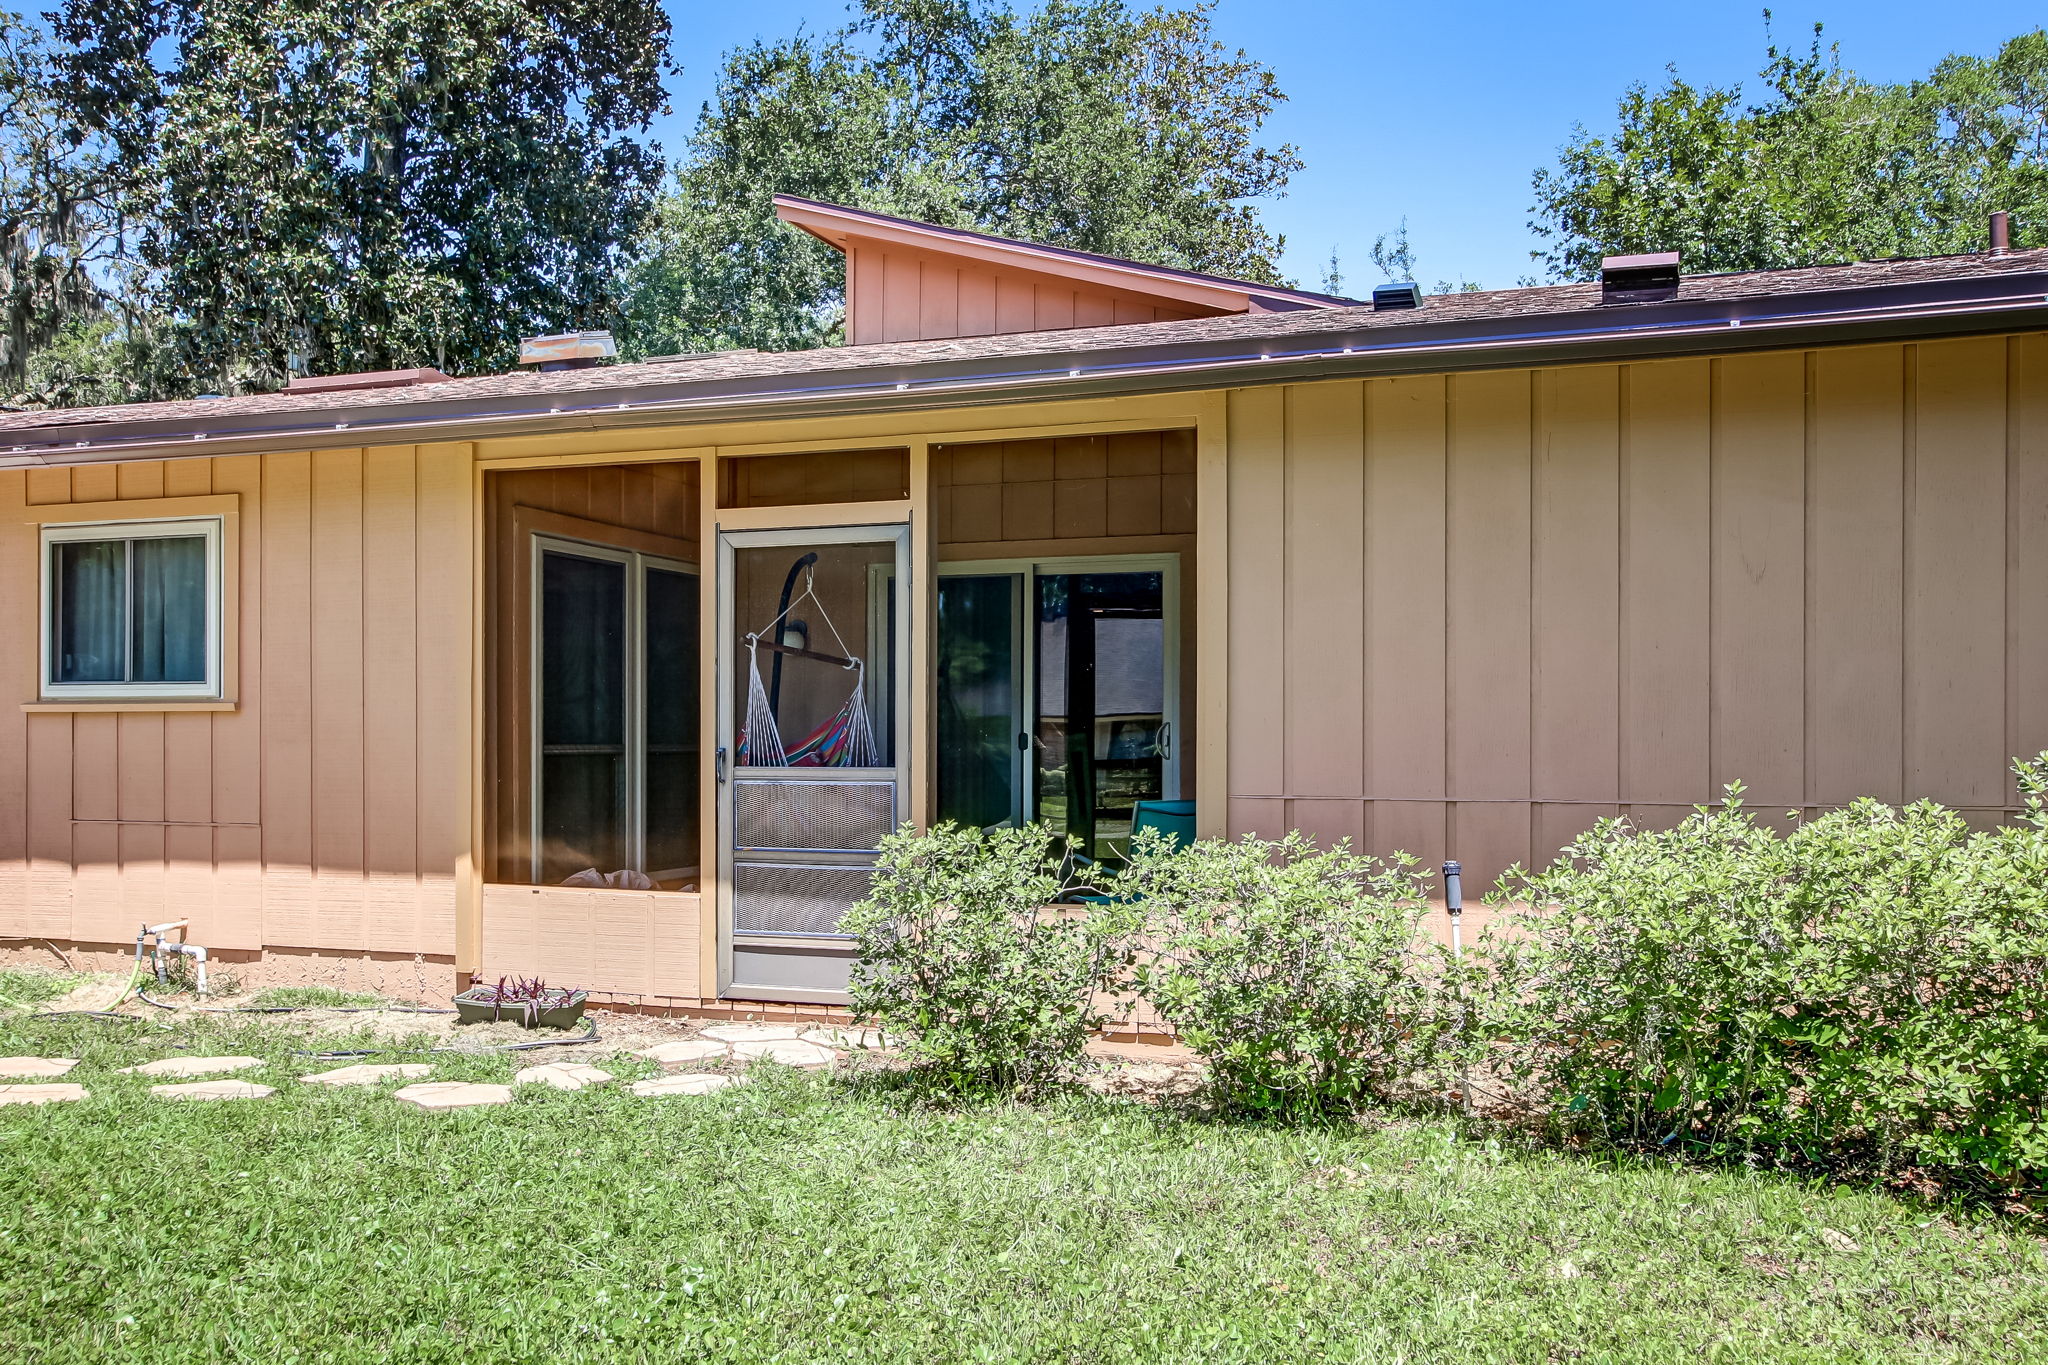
352	184
61	238
1825	167
1083	123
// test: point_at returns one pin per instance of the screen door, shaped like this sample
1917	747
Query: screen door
812	754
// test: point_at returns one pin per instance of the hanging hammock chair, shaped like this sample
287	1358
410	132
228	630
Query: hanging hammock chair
845	740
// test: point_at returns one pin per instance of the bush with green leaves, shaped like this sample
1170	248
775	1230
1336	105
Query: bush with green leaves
962	956
1871	988
1300	975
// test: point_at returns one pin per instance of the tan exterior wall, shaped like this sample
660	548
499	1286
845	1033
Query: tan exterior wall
327	807
1471	614
1459	615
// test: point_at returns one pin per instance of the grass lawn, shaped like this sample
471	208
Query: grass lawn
808	1219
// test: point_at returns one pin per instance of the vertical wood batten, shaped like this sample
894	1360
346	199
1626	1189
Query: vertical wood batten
1955	603
287	732
1855	571
1257	582
19	545
237	760
1665	582
449	589
1403	696
1212	610
1575	585
1757	618
337	699
2026	552
1323	603
391	692
1487	618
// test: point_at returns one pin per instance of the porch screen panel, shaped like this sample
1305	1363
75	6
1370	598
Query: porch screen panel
673	755
582	715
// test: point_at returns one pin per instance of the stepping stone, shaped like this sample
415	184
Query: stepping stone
438	1095
192	1066
369	1075
26	1067
788	1051
40	1094
563	1076
701	1084
752	1033
684	1051
846	1037
212	1090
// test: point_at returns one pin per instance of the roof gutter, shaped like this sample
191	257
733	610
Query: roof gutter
1971	306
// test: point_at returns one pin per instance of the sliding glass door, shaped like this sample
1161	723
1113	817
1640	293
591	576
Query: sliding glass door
1058	694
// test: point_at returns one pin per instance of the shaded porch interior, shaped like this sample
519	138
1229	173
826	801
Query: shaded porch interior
1057	685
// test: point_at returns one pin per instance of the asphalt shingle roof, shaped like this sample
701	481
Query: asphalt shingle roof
582	385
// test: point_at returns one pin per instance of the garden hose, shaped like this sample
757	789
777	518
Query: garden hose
147	999
589	1035
134	975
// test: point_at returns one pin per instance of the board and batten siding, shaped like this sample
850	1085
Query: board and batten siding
329	808
1471	614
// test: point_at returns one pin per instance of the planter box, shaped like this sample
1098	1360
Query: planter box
559	1015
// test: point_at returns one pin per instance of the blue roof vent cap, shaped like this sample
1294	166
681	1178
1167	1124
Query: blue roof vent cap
1404	294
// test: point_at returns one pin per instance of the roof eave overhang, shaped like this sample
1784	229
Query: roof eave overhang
1976	306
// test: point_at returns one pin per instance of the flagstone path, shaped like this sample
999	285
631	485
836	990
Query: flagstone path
213	1090
369	1075
40	1094
25	1068
563	1076
701	1084
192	1066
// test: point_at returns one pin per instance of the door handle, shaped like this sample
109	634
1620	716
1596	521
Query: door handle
1166	739
720	763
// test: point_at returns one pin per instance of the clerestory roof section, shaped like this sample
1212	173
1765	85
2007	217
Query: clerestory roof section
1711	314
912	281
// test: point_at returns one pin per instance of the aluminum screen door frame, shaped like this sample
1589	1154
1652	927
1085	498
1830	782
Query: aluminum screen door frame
757	963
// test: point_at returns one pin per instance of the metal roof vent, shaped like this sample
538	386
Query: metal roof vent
1649	278
567	350
1389	297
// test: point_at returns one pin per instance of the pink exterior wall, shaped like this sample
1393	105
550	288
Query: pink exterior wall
327	808
898	293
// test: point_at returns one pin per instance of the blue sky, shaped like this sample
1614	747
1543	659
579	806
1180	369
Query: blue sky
1439	112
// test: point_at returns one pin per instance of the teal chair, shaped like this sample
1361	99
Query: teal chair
1174	819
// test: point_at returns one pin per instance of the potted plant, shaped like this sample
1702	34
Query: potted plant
527	1001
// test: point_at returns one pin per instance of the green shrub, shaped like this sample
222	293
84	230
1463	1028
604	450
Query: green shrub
1300	976
961	957
1867	988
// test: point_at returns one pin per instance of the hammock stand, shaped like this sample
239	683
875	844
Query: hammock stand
845	740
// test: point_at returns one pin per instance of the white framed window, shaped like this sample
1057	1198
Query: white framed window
131	610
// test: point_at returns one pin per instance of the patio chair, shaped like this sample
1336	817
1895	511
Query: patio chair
1173	819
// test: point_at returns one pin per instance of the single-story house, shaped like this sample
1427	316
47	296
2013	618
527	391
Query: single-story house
616	673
